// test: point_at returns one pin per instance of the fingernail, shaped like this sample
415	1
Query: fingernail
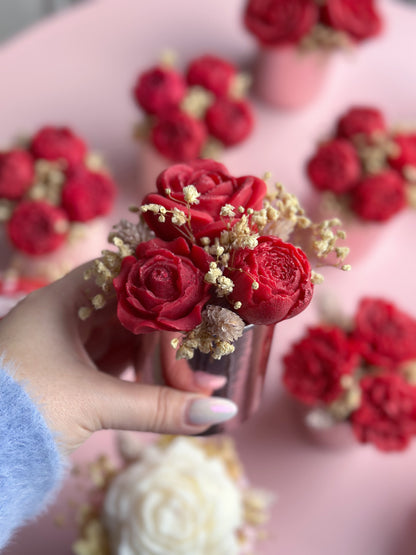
211	410
210	381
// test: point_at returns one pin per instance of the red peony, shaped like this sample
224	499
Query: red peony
37	227
379	197
358	18
16	173
387	415
58	143
385	336
360	120
407	152
162	287
217	188
87	194
283	275
159	89
230	121
335	167
279	22
179	136
211	73
316	364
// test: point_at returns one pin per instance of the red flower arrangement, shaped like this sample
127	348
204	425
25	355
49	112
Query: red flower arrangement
365	170
189	114
49	186
364	375
312	23
210	255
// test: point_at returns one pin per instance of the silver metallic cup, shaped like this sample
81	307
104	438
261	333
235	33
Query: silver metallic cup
245	370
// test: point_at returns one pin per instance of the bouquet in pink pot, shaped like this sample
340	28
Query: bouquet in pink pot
297	39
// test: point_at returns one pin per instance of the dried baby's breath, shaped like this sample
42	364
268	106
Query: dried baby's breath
197	101
219	328
323	37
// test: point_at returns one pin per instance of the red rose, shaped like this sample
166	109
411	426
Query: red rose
58	143
37	227
179	136
407	152
87	194
211	73
379	197
385	336
162	287
230	121
217	188
360	120
315	365
358	18
283	275
387	415
278	22
335	167
159	89
16	173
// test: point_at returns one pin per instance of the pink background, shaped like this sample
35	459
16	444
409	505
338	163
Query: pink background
78	68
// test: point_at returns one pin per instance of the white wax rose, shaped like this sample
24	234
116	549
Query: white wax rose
174	501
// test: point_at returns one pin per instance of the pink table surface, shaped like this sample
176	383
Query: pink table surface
79	68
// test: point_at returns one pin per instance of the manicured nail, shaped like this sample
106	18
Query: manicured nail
210	381
211	410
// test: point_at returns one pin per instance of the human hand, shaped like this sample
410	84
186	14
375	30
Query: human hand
71	367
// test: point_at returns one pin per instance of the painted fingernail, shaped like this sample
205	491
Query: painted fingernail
211	410
210	381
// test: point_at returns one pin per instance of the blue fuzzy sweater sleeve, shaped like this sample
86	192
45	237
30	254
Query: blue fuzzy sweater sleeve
31	467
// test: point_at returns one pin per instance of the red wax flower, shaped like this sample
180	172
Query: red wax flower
162	287
159	89
16	173
211	73
387	415
407	152
37	227
230	121
379	197
385	336
283	275
87	194
216	187
335	167
279	22
179	136
315	365
58	143
358	18
360	120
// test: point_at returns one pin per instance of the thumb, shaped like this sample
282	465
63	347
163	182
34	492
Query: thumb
122	405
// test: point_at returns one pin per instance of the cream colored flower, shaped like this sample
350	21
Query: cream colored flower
174	501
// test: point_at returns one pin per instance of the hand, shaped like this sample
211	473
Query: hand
71	367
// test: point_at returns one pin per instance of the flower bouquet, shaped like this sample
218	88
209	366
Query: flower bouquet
365	174
210	267
190	114
53	193
176	495
297	39
357	380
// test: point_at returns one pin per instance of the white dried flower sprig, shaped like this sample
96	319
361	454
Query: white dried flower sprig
48	183
215	335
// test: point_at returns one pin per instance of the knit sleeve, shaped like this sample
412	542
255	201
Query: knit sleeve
31	467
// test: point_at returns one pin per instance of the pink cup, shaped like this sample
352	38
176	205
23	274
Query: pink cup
150	165
337	436
287	77
92	239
